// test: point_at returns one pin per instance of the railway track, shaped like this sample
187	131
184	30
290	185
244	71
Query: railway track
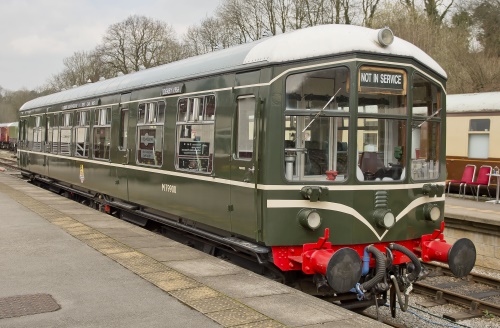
479	293
7	161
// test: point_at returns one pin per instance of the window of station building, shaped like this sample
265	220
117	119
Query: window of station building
102	133
195	134
426	129
65	134
37	133
150	120
317	125
479	138
81	133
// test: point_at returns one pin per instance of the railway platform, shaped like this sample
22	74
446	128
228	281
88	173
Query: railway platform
470	210
66	265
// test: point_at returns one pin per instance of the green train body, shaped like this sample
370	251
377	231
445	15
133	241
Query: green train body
276	143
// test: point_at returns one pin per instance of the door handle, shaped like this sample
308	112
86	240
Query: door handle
126	156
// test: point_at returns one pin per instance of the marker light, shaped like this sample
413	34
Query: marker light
385	36
309	218
432	212
384	218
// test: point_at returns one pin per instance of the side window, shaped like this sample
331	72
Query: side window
55	134
150	120
37	134
102	133
195	134
245	128
123	129
82	130
65	134
426	129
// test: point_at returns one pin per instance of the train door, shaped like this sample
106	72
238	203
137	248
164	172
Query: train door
37	158
244	203
123	150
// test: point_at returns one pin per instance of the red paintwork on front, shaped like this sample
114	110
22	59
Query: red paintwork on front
313	258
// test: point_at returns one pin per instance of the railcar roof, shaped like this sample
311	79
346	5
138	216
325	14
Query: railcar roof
317	41
473	102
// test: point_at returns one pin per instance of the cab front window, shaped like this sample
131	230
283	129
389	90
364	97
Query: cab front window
382	124
316	125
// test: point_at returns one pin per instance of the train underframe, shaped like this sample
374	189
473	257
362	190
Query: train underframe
353	276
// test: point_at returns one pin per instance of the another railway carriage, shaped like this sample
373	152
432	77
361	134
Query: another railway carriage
317	152
8	135
474	119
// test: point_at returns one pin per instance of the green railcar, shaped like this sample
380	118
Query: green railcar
313	151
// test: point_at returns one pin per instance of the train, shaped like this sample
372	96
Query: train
8	135
317	154
475	118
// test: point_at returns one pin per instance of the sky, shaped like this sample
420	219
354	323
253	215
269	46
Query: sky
36	35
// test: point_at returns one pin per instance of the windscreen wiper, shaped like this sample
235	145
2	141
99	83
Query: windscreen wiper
428	118
321	111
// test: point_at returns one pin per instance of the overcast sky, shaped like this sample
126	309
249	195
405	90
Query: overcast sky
36	35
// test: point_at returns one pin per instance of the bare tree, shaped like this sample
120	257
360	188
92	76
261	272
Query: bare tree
369	8
245	17
138	42
82	67
435	10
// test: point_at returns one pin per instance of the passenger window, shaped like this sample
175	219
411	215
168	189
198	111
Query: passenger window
102	133
81	134
195	134
65	134
55	134
245	128
37	134
150	119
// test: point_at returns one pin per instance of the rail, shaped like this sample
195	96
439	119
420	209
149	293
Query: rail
476	301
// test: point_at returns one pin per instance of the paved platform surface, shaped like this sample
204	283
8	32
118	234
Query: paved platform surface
468	209
104	272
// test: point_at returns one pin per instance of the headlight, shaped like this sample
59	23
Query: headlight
384	218
432	212
385	36
309	218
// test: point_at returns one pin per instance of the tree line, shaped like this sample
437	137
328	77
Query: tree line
462	35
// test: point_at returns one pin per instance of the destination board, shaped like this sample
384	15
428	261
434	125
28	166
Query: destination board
381	79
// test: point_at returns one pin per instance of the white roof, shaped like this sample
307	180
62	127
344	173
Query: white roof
317	41
473	102
324	40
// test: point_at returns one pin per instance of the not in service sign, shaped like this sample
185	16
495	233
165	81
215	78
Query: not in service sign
381	79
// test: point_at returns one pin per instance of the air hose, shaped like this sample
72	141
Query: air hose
413	276
379	275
